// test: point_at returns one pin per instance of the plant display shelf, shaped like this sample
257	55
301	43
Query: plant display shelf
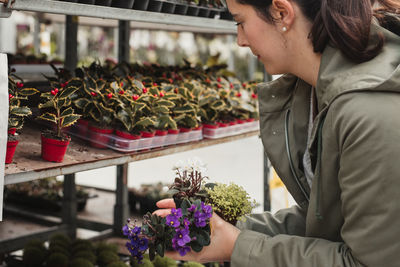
76	9
28	165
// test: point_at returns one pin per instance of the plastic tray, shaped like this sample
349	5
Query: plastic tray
230	130
125	145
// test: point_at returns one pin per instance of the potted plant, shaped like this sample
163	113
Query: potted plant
16	112
58	111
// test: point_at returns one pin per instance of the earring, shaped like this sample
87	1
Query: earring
284	29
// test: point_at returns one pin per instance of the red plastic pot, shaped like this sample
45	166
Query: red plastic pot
250	120
147	140
11	146
239	121
99	137
53	149
231	123
198	127
12	131
210	126
184	130
129	144
82	127
222	124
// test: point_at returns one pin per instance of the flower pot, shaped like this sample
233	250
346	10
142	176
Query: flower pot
123	3
168	7
171	138
196	134
81	128
193	10
210	130
90	2
183	135
53	149
99	137
12	131
146	140
11	146
204	12
141	4
128	141
103	2
155	6
159	138
181	9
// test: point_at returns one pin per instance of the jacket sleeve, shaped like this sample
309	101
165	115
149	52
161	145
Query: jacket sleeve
366	129
289	221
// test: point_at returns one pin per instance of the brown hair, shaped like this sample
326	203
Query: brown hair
344	24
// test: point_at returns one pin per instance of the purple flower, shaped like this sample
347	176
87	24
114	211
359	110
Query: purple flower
199	219
172	221
192	208
207	209
186	223
177	212
143	244
136	230
183	250
126	230
182	236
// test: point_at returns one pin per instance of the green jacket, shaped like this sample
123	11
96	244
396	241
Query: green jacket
351	214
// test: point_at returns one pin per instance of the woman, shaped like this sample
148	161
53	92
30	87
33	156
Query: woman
330	127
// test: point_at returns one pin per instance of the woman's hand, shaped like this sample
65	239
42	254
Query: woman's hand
223	238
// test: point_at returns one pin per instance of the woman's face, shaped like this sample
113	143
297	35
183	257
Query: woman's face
264	39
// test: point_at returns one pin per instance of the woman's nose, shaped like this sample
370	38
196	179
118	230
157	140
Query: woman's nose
241	40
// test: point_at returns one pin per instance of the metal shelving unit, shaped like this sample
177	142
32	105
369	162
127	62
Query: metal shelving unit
32	167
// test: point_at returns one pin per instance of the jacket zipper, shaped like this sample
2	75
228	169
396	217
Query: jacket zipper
302	189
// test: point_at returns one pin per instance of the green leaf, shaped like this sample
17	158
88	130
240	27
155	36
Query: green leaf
165	103
160	250
20	111
218	105
152	252
81	103
196	246
184	109
28	91
160	109
69	120
48	117
67	91
48	104
68	111
203	238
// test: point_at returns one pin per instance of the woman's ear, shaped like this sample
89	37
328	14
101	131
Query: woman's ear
283	12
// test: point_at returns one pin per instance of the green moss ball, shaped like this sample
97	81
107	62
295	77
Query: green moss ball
86	254
192	264
33	256
80	262
164	262
106	257
57	260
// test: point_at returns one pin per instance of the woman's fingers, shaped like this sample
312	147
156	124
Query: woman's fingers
163	212
167	203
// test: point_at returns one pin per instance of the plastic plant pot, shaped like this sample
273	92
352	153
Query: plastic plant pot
209	130
99	137
103	2
11	146
81	128
128	141
123	3
159	138
172	136
183	135
193	10
54	150
204	12
141	4
89	2
168	7
146	141
181	9
12	131
155	6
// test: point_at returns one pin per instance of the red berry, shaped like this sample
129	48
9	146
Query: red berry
219	85
244	84
162	94
109	95
208	80
155	84
144	90
238	94
53	92
135	97
144	83
121	92
219	79
231	85
121	84
93	93
176	90
253	95
155	95
170	80
20	85
10	96
164	75
56	90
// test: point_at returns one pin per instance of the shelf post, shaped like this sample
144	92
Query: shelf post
267	165
69	211
123	40
71	42
121	208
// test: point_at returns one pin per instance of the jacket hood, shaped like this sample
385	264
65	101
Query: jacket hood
338	75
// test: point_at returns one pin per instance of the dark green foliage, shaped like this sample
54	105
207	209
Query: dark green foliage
192	264
164	262
33	256
106	257
36	243
86	254
57	260
60	249
117	264
83	245
61	238
106	246
80	262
